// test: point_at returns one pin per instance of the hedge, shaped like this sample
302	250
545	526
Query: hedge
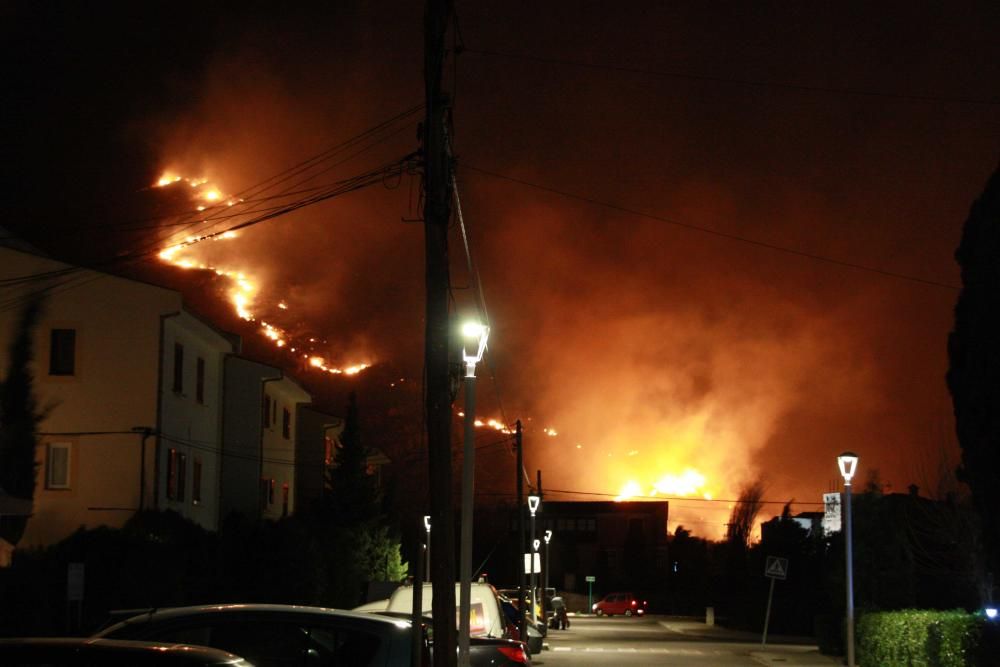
918	638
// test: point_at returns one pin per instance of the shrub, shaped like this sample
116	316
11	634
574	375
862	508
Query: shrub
916	638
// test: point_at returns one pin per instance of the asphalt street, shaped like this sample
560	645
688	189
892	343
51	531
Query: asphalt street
660	640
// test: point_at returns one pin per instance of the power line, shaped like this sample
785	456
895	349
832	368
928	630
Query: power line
713	232
756	83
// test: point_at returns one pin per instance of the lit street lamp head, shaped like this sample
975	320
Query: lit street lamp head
848	462
427	522
536	544
478	334
548	536
533	503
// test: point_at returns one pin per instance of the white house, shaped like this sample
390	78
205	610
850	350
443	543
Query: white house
260	431
132	387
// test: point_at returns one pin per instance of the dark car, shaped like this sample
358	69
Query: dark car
87	652
535	639
273	635
625	604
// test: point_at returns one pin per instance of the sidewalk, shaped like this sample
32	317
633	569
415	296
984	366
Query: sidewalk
780	649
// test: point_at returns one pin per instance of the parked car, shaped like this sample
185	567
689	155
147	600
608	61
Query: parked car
87	652
535	639
511	593
273	635
487	619
626	604
483	651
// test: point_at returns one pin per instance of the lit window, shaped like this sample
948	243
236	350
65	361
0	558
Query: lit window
57	466
62	352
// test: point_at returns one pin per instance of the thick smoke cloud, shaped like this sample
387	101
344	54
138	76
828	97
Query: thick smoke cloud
651	347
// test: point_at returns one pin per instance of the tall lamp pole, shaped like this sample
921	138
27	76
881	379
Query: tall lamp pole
427	555
533	503
545	569
477	334
848	462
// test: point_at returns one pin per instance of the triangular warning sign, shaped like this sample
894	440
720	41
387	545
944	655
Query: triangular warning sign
776	567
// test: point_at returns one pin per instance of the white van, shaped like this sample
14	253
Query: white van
486	618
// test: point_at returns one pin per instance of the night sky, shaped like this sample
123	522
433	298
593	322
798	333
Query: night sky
671	208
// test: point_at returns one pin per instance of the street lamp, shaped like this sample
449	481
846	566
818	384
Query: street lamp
427	555
545	569
533	503
477	334
848	462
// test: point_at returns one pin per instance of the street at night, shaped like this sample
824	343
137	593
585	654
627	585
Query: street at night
662	640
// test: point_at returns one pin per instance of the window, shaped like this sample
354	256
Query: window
176	474
284	499
270	491
178	368
57	465
328	451
286	423
62	352
264	486
199	380
196	481
267	411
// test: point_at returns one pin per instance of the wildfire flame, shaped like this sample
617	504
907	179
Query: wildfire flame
689	483
245	289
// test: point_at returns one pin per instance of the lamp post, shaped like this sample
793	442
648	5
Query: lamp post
533	503
477	334
545	569
427	554
848	462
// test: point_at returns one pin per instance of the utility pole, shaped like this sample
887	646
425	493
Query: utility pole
522	623
437	213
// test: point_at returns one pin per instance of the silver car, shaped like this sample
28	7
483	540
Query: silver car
274	635
86	652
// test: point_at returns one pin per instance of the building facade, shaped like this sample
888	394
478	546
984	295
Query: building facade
104	377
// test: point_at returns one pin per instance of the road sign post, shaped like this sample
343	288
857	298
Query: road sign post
590	591
776	568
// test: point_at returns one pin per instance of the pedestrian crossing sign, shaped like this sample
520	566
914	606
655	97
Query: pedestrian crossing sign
776	568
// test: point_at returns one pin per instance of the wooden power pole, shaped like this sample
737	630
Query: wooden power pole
437	213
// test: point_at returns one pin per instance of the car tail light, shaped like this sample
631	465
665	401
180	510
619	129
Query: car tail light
635	602
515	653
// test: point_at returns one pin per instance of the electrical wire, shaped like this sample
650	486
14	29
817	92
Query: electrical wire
755	83
713	232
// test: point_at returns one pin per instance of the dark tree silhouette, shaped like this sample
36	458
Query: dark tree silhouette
744	515
351	491
19	418
974	362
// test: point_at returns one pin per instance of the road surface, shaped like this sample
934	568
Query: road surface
650	640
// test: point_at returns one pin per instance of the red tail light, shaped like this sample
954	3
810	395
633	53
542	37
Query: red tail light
515	653
635	602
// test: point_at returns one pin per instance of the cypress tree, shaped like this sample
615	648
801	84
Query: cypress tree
974	362
19	420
